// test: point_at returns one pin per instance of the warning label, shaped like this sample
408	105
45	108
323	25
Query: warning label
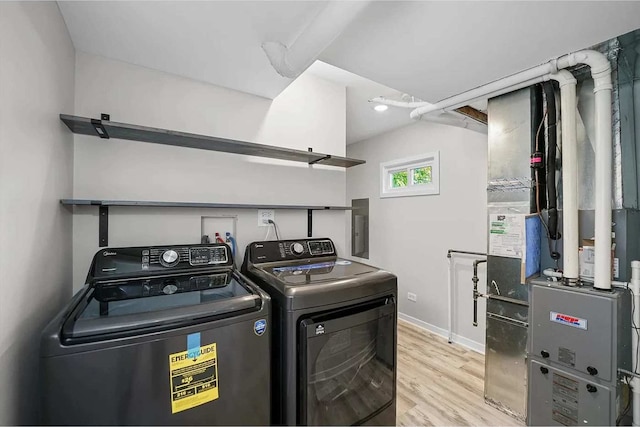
507	235
194	377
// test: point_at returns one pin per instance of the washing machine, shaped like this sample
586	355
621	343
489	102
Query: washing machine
163	335
334	334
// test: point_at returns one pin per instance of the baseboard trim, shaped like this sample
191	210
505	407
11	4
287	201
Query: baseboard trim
457	339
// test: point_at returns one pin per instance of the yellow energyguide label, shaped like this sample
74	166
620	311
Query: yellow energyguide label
194	377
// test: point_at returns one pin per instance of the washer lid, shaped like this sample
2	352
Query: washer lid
309	272
130	306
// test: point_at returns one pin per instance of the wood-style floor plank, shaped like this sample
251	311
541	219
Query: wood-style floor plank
441	383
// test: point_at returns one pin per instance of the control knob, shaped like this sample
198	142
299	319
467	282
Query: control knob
169	287
297	248
169	258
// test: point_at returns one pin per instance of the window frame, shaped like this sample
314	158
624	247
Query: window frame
387	169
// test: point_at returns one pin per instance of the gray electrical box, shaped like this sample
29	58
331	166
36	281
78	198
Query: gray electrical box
579	337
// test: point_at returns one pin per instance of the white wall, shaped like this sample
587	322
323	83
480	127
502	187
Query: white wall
36	155
410	236
309	113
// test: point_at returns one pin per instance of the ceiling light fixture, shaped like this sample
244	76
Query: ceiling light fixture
381	107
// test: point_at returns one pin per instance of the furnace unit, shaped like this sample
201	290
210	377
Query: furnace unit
579	338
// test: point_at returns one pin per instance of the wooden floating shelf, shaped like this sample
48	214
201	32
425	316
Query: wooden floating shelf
155	204
103	210
104	128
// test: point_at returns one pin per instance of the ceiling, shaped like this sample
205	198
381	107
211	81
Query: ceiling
210	41
362	120
435	50
428	49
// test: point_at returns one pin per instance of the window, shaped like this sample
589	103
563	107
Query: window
414	176
399	179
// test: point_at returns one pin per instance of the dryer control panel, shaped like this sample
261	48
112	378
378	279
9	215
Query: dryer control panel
289	250
155	259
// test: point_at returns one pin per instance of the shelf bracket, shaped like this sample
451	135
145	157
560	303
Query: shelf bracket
103	226
309	222
99	127
321	159
313	162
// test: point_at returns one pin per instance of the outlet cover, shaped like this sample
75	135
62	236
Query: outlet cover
412	297
264	215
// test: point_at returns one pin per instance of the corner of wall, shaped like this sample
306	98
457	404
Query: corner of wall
36	85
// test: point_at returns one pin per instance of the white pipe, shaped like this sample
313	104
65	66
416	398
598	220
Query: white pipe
570	235
480	96
614	283
602	263
550	272
601	73
508	84
422	109
401	104
602	87
291	61
635	381
447	118
603	190
450	299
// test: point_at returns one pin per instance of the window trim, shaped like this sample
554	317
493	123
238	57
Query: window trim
409	163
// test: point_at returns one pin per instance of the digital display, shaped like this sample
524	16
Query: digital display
322	247
206	256
200	256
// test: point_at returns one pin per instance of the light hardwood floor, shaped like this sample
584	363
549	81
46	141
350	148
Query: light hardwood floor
441	383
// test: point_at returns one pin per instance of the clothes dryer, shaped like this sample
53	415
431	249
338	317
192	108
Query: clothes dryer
334	334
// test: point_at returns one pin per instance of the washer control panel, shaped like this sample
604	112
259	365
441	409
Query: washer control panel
115	261
321	247
289	250
208	255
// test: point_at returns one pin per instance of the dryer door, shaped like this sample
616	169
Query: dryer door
347	364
